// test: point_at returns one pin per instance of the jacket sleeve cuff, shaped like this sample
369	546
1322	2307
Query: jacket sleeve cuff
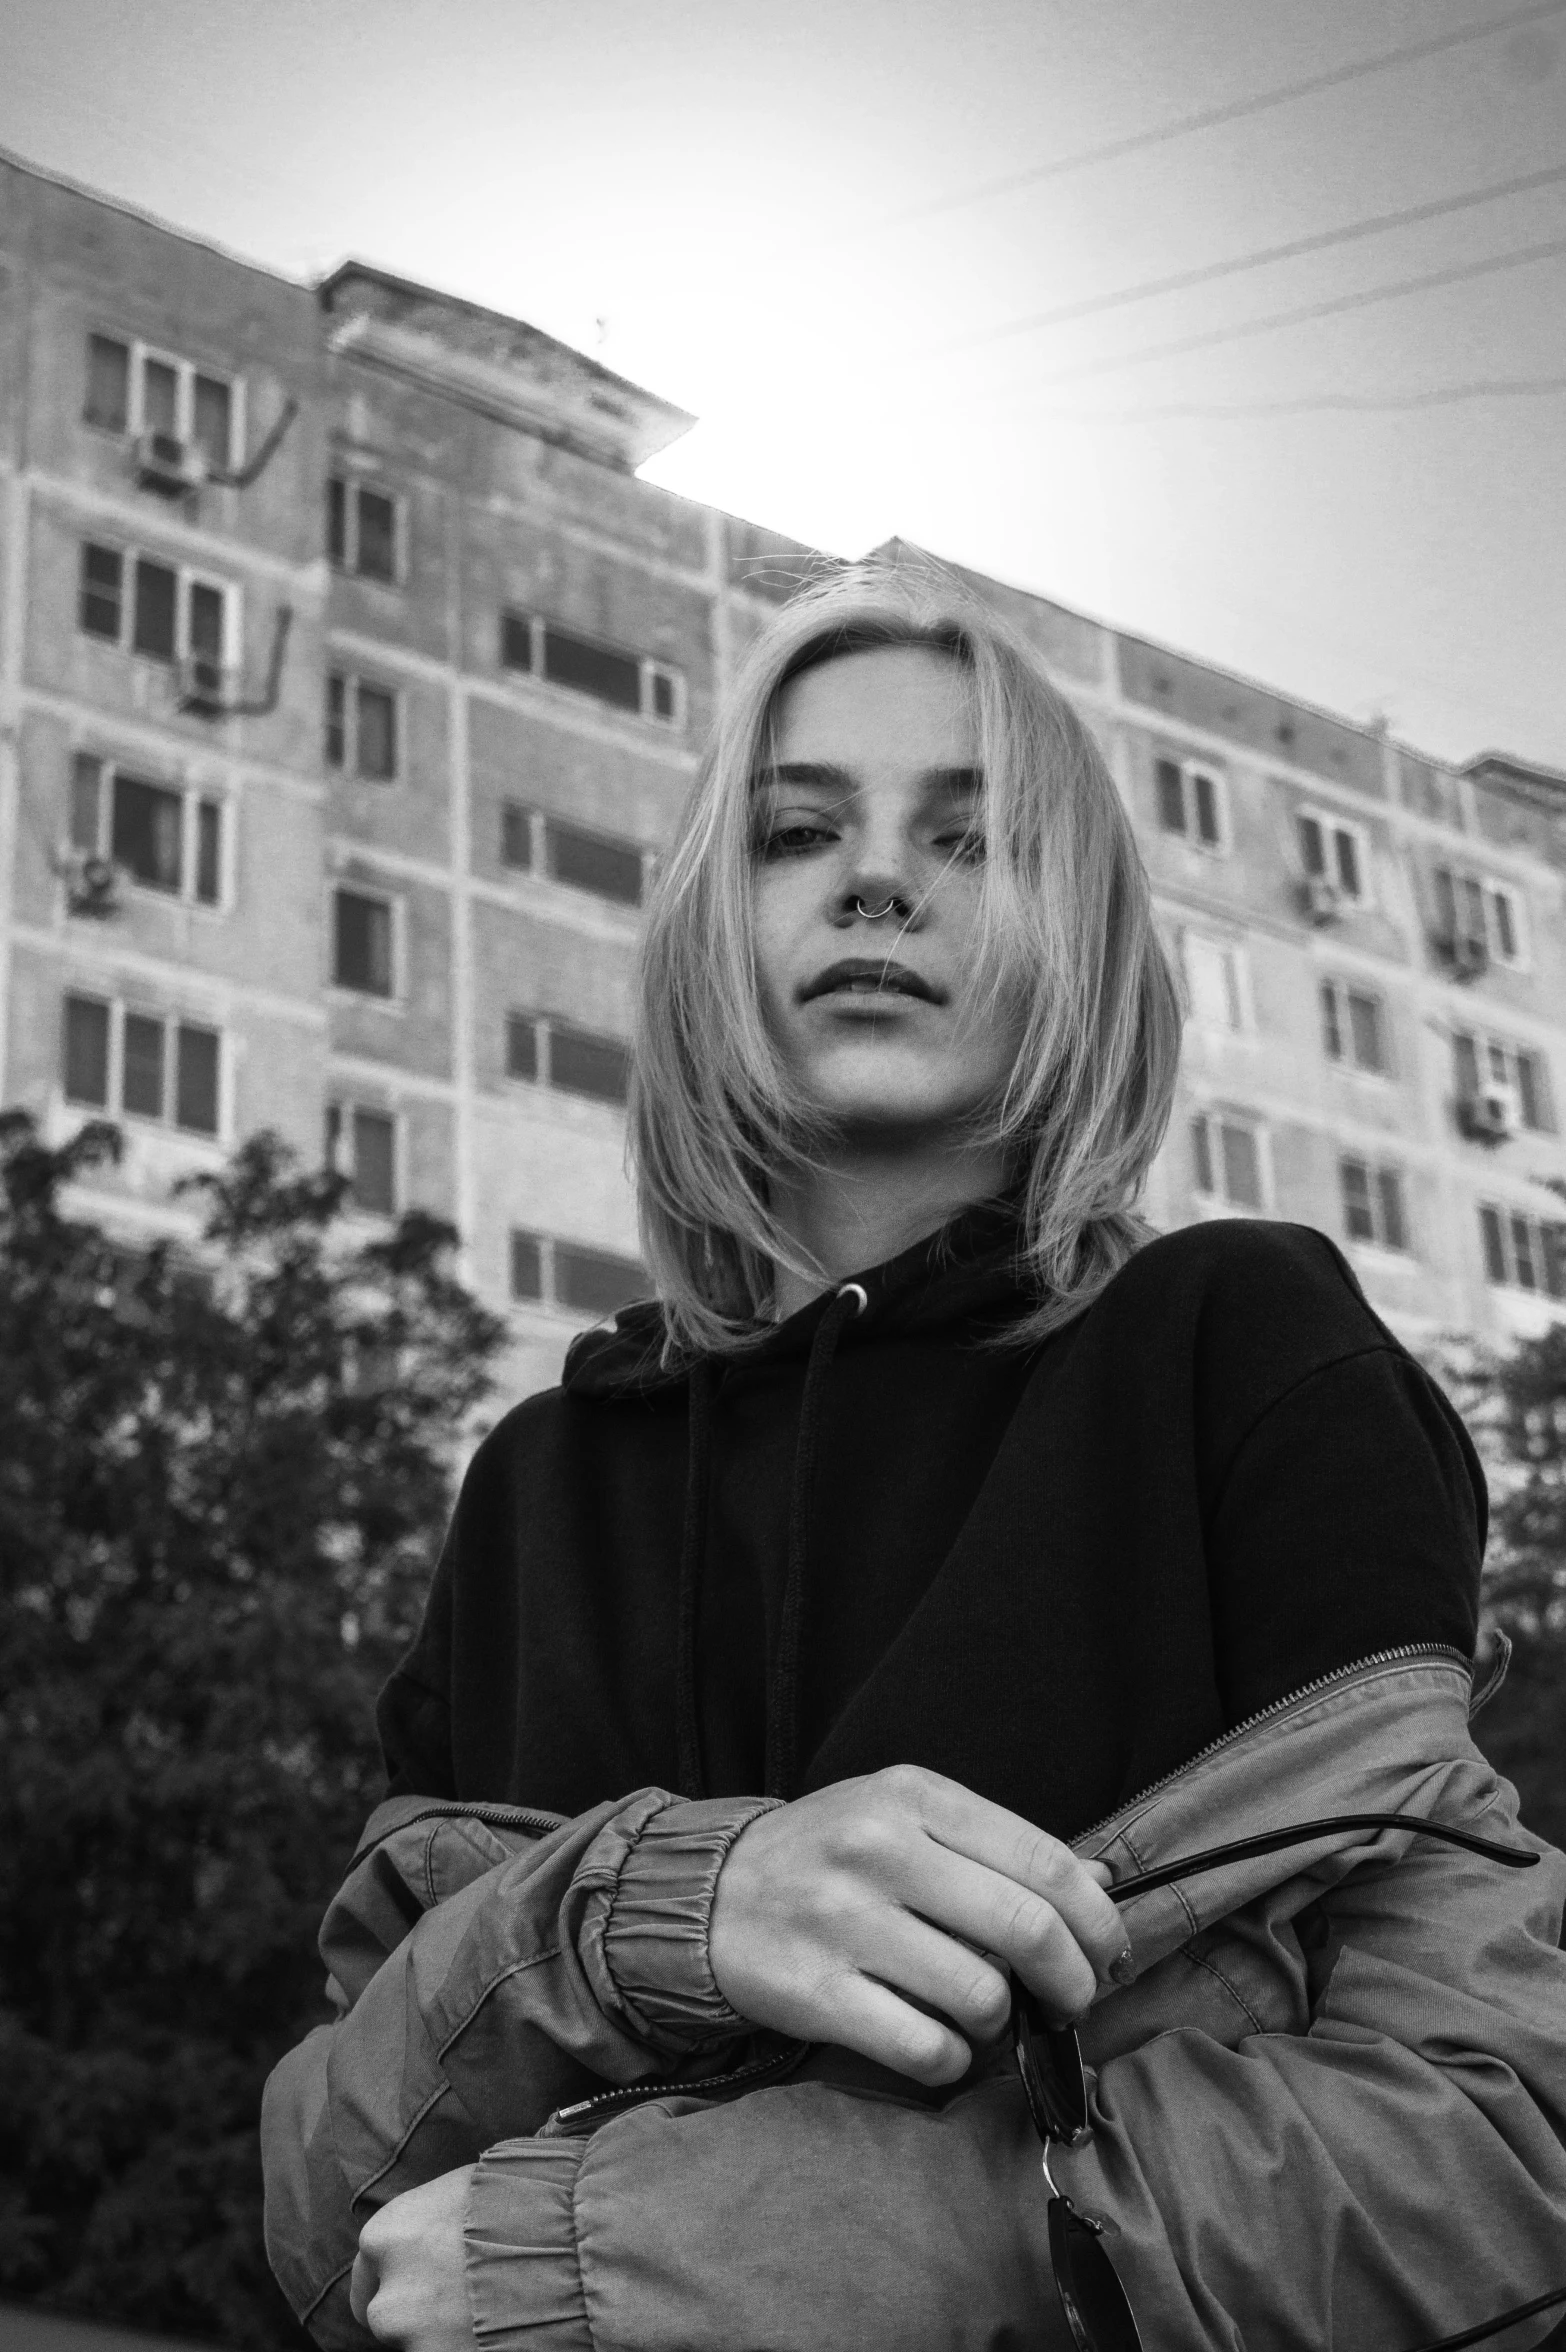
644	1936
524	2277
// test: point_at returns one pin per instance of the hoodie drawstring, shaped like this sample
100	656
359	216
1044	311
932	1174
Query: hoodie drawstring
783	1699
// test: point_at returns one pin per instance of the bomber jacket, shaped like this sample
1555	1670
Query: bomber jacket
1203	1564
1329	2111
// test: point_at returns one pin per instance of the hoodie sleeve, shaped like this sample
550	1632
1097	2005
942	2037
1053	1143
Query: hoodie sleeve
485	1970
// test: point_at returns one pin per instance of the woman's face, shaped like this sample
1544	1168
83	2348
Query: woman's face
874	802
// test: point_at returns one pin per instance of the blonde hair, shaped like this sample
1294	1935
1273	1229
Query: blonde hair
1065	919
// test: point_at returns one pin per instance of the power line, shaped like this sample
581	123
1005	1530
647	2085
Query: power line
1211	117
1370	225
1354	403
1516	258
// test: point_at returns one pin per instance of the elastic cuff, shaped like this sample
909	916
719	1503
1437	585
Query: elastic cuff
524	2277
653	1928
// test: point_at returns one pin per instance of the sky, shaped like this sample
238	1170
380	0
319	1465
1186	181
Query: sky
842	233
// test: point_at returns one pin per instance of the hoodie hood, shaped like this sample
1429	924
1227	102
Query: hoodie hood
967	1278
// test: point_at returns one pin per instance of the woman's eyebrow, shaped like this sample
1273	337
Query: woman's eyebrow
825	776
820	773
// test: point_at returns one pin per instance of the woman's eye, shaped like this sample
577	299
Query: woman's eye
793	840
966	845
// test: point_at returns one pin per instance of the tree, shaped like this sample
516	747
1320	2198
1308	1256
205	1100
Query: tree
225	1469
1517	1407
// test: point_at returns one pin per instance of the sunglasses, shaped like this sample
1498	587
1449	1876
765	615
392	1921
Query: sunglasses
1049	2060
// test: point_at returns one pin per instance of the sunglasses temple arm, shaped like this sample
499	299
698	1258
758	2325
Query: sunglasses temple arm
1273	1841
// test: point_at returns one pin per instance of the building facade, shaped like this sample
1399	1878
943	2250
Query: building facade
351	683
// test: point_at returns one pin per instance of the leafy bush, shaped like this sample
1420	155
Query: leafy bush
225	1470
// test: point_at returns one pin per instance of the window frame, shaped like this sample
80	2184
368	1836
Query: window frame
1488	1046
192	796
546	1248
1331	821
651	669
1237	981
1547	1239
185	373
1457	877
1217	1116
544	1029
1340	988
1189	768
341	1153
347	567
354	683
1377	1173
120	1009
186	578
393	900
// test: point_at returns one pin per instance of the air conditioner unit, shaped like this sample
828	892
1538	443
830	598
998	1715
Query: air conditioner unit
205	685
1323	899
166	463
1470	958
1493	1114
92	883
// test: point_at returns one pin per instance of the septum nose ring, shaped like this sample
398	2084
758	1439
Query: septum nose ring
873	915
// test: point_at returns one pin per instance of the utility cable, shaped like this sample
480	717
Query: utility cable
1181	281
1516	258
1210	117
1352	403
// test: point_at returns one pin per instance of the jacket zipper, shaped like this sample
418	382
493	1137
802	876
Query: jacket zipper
1307	1690
451	1808
586	2114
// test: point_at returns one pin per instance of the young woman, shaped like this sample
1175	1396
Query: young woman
804	1679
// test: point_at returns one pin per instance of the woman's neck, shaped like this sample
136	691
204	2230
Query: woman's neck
864	1206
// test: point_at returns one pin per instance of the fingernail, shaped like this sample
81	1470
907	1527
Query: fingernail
1123	1970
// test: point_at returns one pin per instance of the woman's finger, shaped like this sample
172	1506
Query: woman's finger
1028	1933
910	1957
973	1829
857	2013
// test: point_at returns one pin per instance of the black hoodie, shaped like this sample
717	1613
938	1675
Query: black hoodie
1052	1573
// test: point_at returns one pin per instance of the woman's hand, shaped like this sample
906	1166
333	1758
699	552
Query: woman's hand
409	2285
834	1915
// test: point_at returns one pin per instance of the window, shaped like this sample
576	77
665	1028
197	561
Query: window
170	612
1477	921
567	853
87	1051
100	609
362	943
363	530
1226	1160
1523	1252
578	1061
1214	977
131	389
567	1274
361	727
1353	1028
1191	801
516	835
1333	850
362	1145
1483	1061
143	1064
625	681
591	861
1373	1204
161	836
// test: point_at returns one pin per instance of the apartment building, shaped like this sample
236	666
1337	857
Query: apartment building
351	682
